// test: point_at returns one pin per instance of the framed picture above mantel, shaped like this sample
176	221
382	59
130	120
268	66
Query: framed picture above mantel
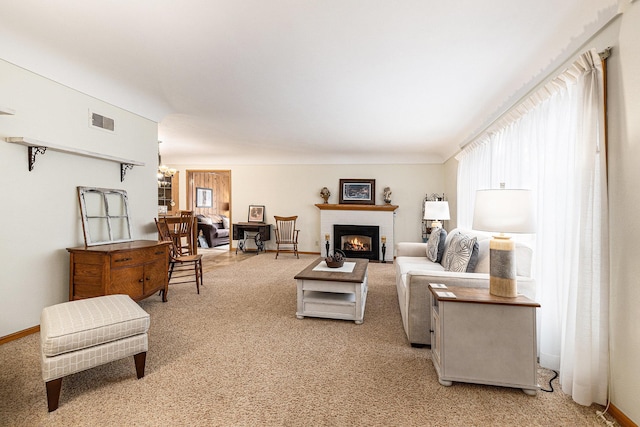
358	191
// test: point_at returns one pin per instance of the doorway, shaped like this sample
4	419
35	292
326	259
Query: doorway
209	192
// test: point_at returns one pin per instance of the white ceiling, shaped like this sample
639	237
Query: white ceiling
315	81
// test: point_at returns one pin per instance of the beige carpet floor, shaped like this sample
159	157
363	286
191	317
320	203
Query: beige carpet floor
236	355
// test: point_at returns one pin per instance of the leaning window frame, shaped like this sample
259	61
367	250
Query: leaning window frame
126	235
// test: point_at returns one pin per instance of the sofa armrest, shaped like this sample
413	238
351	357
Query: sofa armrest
209	231
411	249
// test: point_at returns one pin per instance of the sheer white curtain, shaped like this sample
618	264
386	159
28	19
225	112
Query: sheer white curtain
554	144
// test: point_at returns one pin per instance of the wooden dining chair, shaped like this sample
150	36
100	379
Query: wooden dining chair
286	234
183	235
186	265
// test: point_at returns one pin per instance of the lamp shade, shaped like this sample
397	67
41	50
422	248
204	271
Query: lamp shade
436	210
504	211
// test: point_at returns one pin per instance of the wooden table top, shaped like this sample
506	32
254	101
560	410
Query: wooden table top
120	246
357	275
479	295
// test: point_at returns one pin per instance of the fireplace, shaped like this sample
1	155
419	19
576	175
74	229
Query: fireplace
357	241
382	216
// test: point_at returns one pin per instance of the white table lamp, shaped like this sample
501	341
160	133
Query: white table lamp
436	211
504	211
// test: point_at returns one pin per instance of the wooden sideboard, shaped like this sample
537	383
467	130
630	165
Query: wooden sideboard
138	268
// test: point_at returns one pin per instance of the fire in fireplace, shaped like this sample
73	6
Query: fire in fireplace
357	241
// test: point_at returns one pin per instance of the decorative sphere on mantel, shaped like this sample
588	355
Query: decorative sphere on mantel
325	193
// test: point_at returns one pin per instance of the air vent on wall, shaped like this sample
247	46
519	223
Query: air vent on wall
102	122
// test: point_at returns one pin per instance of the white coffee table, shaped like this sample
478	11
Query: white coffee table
333	293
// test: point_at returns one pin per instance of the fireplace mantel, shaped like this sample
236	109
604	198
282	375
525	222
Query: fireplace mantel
380	208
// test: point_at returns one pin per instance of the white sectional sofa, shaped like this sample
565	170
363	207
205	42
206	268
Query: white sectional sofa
414	272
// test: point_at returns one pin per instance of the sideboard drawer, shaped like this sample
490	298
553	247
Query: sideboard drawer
129	258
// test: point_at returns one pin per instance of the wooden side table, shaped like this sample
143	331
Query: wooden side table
480	338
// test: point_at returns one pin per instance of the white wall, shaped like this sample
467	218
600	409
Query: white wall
624	176
40	214
295	189
451	190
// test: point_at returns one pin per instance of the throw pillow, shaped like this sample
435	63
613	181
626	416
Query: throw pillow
445	261
473	261
443	239
435	245
206	220
459	253
432	244
225	222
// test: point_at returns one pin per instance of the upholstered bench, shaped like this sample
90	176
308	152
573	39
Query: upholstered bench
79	335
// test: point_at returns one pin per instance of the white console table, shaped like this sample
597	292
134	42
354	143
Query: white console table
480	338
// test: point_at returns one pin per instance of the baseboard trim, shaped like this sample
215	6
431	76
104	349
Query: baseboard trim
232	249
620	417
19	334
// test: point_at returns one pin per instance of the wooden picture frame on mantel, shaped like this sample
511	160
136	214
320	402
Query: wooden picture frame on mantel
357	191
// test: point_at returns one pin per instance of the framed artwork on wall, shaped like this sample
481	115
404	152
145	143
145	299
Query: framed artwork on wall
358	191
256	213
204	197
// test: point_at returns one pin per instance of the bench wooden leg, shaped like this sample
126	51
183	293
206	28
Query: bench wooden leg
140	360
53	393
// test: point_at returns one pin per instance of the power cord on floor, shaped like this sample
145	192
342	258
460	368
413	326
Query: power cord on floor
601	417
555	375
599	414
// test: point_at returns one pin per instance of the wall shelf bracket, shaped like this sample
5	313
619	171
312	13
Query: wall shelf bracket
33	151
124	167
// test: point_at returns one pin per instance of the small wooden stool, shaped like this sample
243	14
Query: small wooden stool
79	335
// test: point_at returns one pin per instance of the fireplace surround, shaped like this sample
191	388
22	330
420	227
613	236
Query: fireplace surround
382	216
357	241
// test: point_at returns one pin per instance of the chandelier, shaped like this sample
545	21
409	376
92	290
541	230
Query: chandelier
166	171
